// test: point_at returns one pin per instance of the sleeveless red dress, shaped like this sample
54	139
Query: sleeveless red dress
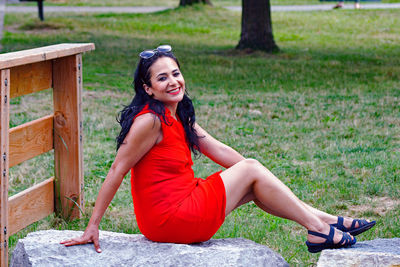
170	204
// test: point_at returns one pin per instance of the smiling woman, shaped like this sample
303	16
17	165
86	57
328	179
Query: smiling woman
172	205
167	83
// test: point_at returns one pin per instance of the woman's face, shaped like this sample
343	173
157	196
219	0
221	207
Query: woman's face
167	83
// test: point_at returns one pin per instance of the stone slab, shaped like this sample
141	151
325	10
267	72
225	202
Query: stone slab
373	253
42	248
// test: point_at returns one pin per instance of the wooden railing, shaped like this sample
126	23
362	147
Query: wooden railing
58	67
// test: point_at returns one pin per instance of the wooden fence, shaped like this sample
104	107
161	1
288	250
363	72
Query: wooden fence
58	67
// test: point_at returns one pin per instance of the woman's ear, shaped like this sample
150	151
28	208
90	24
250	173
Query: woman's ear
147	90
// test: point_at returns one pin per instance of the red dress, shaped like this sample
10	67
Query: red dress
171	205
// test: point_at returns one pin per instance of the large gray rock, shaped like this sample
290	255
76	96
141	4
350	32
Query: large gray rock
43	249
378	252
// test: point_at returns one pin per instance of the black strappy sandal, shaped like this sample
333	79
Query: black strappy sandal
346	241
363	225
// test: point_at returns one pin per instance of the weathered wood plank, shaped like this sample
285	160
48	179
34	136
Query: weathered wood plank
4	142
31	205
31	139
67	86
26	79
13	59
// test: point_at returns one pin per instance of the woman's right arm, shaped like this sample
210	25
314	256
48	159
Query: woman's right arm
145	132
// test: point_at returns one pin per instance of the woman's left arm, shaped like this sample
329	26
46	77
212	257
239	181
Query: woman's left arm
215	150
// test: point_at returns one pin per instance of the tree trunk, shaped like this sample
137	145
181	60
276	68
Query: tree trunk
256	26
191	2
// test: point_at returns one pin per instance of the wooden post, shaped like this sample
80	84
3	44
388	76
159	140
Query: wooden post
4	140
24	72
67	86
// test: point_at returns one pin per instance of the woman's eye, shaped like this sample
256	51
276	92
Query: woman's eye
161	79
176	74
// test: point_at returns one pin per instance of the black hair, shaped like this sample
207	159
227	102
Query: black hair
185	110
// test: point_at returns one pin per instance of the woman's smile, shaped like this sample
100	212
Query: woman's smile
167	83
175	91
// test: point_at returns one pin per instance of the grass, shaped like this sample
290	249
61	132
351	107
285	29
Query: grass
322	114
171	3
175	3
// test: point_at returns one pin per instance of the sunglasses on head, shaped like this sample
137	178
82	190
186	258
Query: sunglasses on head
146	54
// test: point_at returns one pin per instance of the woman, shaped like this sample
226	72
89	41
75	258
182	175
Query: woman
171	205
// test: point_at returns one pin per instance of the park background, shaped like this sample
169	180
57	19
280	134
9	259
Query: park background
322	114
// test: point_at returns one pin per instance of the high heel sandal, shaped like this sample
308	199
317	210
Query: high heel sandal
363	225
346	241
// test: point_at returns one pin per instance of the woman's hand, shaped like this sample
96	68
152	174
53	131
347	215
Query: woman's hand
91	235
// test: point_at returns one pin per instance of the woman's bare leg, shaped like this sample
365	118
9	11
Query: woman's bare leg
326	217
331	219
249	179
251	197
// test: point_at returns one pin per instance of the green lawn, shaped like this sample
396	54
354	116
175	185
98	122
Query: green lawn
171	3
323	114
174	3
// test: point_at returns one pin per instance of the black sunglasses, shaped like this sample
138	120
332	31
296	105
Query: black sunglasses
146	54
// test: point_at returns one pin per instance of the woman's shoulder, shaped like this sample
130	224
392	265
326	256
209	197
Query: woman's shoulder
145	110
148	113
164	116
146	121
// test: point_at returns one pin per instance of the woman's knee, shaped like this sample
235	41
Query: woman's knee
248	171
254	169
251	166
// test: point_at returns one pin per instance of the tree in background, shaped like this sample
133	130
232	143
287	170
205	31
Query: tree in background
256	26
191	2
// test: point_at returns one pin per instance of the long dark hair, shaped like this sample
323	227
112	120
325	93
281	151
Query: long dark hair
185	109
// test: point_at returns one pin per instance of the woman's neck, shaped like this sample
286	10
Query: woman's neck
172	109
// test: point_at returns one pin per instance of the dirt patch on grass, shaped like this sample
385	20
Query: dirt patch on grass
38	27
376	205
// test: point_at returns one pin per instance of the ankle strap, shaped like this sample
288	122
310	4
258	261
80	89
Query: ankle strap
330	236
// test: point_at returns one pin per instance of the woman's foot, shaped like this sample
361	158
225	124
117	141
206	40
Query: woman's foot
317	241
353	226
338	234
